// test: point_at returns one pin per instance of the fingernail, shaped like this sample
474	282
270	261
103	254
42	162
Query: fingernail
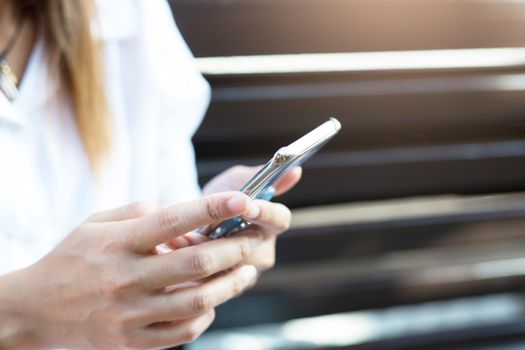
254	212
249	272
238	203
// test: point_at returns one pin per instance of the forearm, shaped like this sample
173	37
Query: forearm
15	323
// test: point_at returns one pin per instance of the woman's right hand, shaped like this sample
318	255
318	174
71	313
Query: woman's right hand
103	288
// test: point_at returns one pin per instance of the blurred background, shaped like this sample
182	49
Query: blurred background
409	227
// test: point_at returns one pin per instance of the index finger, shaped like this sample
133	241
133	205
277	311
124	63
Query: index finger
286	182
149	231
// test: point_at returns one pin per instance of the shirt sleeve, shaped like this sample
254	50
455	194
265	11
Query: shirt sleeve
184	97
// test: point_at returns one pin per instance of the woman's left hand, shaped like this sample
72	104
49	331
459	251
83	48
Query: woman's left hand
269	219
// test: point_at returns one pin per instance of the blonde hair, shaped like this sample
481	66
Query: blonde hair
76	56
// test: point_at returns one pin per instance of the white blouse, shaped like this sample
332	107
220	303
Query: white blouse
158	98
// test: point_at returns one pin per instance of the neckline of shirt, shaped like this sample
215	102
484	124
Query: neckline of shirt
36	88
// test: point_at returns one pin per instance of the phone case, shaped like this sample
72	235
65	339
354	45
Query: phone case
286	158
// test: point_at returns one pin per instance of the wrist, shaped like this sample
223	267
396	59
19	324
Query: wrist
15	322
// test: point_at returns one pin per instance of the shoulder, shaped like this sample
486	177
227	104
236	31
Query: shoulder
145	32
128	19
145	47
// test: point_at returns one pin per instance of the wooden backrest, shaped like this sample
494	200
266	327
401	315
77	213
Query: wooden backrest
452	122
415	131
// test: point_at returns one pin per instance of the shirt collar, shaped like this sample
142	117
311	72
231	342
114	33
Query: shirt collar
9	114
36	88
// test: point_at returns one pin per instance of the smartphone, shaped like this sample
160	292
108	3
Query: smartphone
285	159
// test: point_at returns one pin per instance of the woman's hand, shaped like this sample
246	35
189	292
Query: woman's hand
103	287
269	218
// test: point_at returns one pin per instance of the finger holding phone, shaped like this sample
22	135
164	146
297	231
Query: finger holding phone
103	288
262	183
270	218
